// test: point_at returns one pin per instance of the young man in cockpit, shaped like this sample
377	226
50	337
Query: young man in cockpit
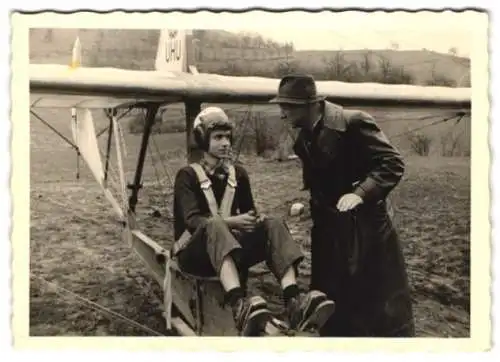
225	236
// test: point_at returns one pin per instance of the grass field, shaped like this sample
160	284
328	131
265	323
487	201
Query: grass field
76	245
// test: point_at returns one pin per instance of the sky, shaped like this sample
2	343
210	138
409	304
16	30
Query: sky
432	39
438	32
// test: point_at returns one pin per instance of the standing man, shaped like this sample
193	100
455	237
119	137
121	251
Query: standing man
350	167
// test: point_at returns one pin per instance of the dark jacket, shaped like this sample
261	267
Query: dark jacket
356	256
191	207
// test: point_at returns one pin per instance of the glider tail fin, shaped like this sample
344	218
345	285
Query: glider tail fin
175	51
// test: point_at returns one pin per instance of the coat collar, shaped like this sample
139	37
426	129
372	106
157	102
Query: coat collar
333	117
332	124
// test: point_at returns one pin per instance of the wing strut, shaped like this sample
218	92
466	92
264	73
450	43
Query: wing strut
152	109
108	151
66	139
107	114
119	158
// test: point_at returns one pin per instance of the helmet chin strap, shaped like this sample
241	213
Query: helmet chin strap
219	161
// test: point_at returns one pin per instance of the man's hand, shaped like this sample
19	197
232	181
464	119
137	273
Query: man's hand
348	202
261	218
244	222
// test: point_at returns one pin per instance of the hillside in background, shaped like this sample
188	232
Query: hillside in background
229	53
420	63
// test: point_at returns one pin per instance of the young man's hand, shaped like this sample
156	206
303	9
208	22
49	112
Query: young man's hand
259	218
244	222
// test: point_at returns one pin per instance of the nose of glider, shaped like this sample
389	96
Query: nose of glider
76	56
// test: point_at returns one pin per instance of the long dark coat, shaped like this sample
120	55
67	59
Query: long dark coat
356	255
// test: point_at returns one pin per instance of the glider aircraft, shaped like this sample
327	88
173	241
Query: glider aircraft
176	80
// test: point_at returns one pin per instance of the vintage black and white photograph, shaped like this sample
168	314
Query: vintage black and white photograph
244	178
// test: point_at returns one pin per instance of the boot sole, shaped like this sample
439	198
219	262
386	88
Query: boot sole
314	302
256	322
319	317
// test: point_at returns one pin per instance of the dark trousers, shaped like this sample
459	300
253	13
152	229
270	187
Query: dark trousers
213	241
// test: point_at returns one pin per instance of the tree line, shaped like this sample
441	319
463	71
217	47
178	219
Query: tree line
335	68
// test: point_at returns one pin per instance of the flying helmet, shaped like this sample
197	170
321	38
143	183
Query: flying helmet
208	120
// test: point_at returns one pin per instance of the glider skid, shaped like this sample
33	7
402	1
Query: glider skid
193	306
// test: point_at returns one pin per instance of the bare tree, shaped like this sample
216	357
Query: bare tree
286	67
336	67
288	48
366	64
385	68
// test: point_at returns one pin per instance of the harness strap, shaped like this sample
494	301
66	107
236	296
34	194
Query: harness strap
206	186
227	199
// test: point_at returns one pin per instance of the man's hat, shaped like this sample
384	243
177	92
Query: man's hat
297	89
